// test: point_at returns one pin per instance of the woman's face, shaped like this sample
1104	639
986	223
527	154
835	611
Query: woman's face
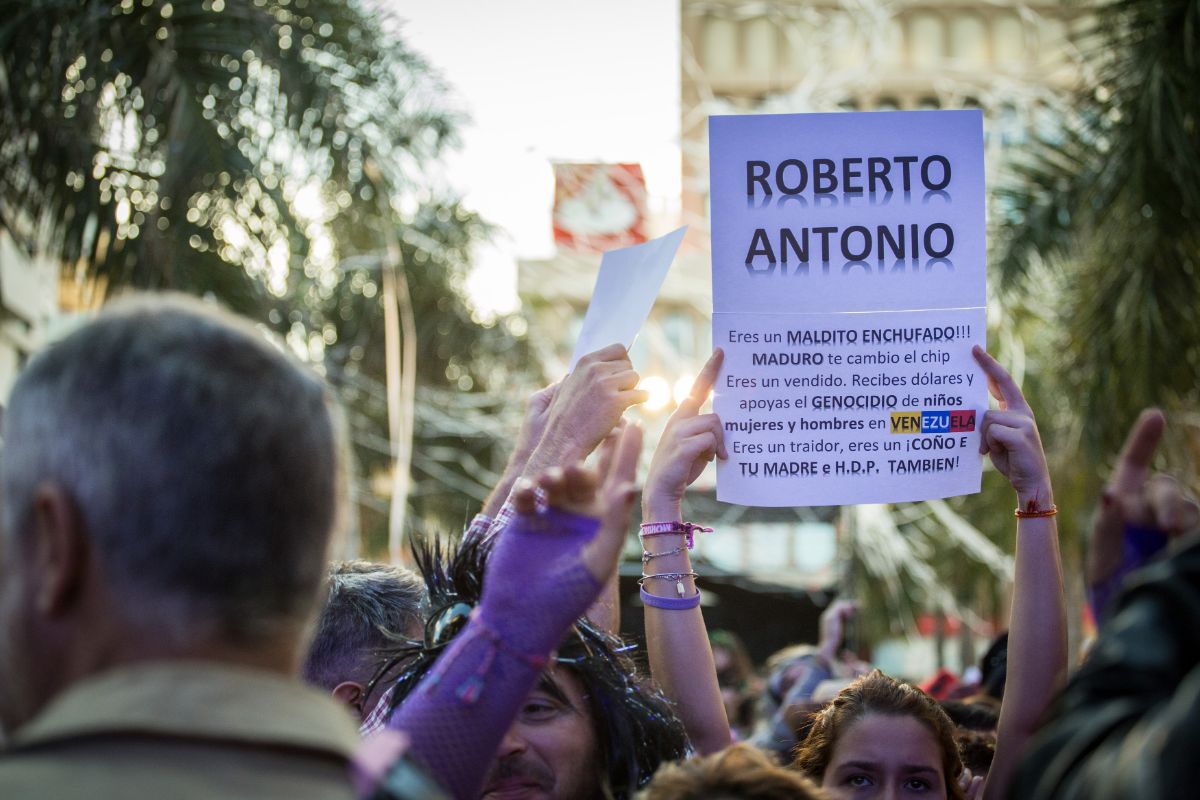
886	758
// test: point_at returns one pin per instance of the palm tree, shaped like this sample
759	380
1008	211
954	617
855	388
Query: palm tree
278	155
1108	209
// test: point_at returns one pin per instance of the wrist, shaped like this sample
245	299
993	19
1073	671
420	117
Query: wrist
687	530
551	452
1035	498
672	547
517	461
662	509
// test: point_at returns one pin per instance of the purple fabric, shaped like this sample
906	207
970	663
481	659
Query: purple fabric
535	587
1138	545
670	603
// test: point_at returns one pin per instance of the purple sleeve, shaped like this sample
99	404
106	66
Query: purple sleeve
1138	545
535	587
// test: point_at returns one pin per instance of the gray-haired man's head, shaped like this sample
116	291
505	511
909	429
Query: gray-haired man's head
369	607
167	465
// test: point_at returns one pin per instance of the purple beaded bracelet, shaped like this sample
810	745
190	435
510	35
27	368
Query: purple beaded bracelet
670	603
688	529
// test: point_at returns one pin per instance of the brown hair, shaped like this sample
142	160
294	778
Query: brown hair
741	668
977	750
740	772
876	693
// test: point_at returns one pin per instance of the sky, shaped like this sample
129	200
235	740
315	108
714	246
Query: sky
543	81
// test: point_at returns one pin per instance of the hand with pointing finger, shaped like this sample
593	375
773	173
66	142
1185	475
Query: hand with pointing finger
1139	513
1010	436
689	442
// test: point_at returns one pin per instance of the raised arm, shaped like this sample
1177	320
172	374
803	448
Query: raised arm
1127	724
581	412
543	573
605	612
1037	639
537	412
1139	515
681	658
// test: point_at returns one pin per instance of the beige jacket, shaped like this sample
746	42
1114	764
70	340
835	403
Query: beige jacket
179	731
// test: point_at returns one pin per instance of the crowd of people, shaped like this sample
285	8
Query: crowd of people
171	624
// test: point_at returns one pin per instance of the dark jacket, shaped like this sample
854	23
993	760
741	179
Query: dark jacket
1128	723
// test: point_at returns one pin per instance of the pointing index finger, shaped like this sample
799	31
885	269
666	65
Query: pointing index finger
707	377
1133	464
1010	393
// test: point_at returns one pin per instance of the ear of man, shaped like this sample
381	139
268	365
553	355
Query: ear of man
350	693
63	554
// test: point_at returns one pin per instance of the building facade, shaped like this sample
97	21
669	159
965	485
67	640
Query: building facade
1017	61
29	307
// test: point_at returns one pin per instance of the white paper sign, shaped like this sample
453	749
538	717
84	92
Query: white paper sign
625	290
849	285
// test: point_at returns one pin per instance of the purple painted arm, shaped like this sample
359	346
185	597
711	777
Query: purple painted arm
535	587
1139	545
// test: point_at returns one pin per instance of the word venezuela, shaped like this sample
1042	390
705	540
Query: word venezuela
851	177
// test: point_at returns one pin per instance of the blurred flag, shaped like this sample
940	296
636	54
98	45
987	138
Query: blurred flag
599	207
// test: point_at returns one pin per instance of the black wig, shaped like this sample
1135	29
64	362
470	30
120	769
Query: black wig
636	726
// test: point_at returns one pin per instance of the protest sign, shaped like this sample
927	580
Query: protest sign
849	283
626	287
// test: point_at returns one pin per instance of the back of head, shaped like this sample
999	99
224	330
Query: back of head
977	750
993	667
737	668
369	609
972	716
200	459
877	693
740	772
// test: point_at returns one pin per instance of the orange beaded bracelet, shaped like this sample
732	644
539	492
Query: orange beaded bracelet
1032	513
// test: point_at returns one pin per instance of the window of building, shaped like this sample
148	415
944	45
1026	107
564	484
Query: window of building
847	43
969	40
1052	42
927	40
890	51
1008	41
798	36
720	46
760	47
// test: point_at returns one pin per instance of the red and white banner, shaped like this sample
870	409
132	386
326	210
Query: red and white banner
599	207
